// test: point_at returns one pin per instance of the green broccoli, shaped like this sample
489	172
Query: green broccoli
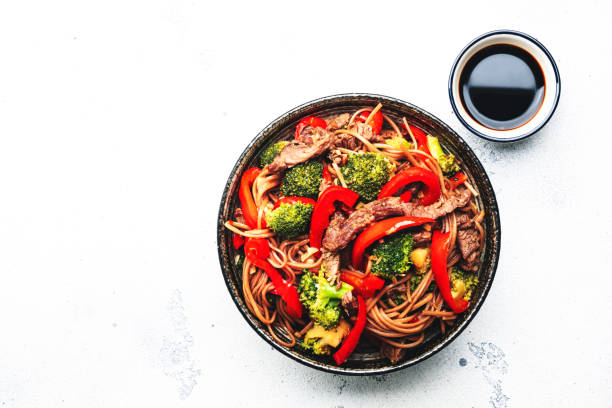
462	283
366	174
303	180
270	152
319	341
290	220
447	162
314	346
415	281
321	299
392	256
397	142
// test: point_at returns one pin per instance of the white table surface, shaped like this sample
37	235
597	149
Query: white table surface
119	124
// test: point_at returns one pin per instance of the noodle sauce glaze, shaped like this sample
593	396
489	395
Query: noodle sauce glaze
502	87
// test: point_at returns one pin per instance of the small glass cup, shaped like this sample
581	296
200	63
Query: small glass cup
552	85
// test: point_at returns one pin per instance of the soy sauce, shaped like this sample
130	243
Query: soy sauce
502	87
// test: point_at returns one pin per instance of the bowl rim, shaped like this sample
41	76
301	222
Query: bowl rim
557	85
338	369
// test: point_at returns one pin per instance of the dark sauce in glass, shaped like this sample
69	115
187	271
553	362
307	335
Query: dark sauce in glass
502	87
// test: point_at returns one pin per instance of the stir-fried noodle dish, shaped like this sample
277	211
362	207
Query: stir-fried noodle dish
359	230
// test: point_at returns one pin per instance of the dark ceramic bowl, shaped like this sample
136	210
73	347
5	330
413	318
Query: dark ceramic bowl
366	360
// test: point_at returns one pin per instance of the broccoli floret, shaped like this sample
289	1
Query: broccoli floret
303	180
307	287
392	256
321	299
397	142
366	174
447	162
290	220
314	346
462	283
319	341
267	156
415	281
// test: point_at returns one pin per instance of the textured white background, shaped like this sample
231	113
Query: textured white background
119	123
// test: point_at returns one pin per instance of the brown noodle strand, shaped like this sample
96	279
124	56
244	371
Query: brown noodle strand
412	138
339	174
414	342
372	113
356	114
393	125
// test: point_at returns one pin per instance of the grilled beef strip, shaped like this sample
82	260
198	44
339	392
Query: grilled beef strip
468	240
350	304
365	131
441	207
345	140
331	260
338	121
340	235
314	142
464	220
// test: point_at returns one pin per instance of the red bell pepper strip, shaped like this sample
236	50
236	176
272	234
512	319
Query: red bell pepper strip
326	174
324	208
381	229
363	286
411	175
406	196
309	121
256	251
439	254
458	179
376	122
238	241
420	137
293	200
257	247
349	344
249	208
